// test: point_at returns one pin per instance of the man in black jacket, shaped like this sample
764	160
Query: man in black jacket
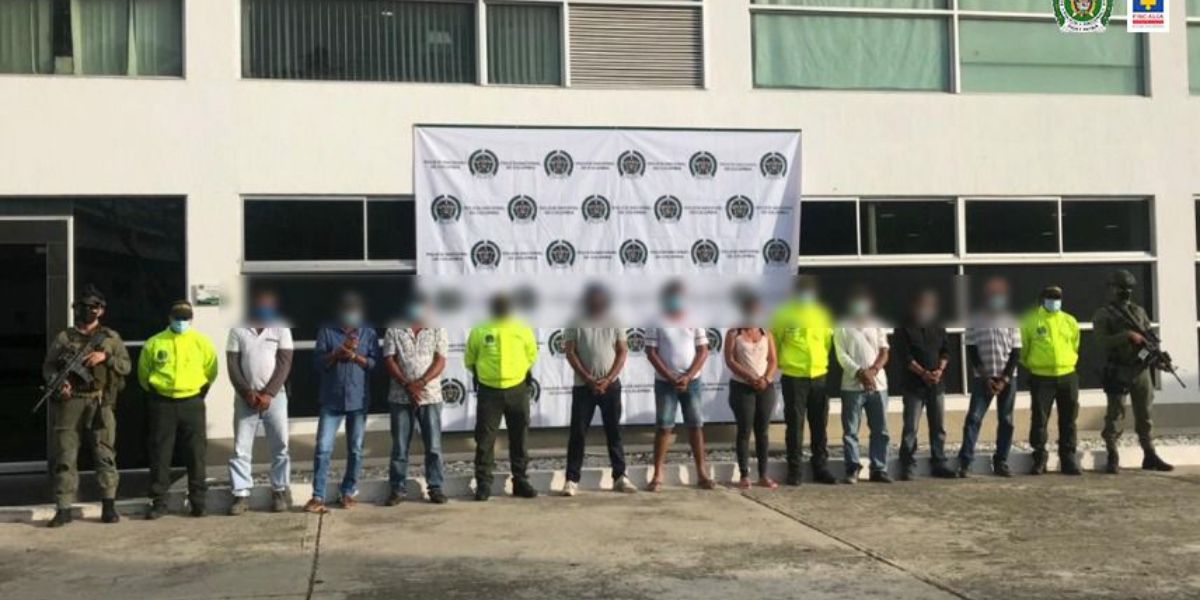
924	353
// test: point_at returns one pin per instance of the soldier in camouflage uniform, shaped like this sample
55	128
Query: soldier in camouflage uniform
1125	373
85	410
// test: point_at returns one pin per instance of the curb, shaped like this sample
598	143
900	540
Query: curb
593	479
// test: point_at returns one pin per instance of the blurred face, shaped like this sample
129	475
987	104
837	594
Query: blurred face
596	303
501	306
751	307
350	312
860	305
265	308
996	295
925	309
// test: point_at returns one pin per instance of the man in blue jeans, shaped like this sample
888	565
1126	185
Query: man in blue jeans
993	350
861	346
415	357
345	354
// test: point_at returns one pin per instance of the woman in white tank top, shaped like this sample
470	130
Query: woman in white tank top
750	357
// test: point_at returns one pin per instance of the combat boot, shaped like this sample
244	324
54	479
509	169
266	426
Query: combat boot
1152	462
108	511
1113	465
1039	463
1069	465
62	516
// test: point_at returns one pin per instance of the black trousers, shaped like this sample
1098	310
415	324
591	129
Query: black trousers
584	403
1044	392
512	405
172	419
932	402
805	398
752	410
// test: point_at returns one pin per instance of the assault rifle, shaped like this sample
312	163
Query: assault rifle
72	364
1151	353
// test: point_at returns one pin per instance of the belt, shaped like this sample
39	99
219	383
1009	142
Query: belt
93	395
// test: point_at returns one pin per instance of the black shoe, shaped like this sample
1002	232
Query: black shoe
523	489
880	477
62	516
964	469
1001	469
906	473
793	479
1039	464
155	511
483	493
108	511
395	499
1112	465
822	475
1069	465
1152	462
943	472
198	511
436	496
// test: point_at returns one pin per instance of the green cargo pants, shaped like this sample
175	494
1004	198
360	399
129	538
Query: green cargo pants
84	419
1141	397
511	404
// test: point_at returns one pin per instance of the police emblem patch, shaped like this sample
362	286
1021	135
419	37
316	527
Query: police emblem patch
1082	16
445	209
560	254
773	165
596	209
631	163
485	254
633	253
703	165
483	163
777	252
739	209
635	340
705	253
454	393
522	209
558	164
668	209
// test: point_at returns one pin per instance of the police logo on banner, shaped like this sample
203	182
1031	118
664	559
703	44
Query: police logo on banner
631	163
485	254
446	209
522	209
558	164
668	209
483	163
555	343
777	252
596	209
1082	16
773	165
454	393
705	253
703	165
534	393
635	340
633	253
560	254
739	209
714	340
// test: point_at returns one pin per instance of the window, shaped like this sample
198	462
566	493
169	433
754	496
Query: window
1085	286
1106	225
828	228
1028	226
354	232
359	40
645	46
524	44
96	37
1009	46
1033	226
907	226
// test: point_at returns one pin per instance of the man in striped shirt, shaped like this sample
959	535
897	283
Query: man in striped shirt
993	349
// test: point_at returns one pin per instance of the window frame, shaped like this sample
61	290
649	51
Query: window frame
364	265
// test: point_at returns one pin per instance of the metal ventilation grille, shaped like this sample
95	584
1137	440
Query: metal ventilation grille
634	46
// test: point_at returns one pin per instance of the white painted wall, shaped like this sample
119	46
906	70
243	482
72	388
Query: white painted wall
214	137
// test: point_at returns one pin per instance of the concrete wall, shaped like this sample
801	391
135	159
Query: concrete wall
214	137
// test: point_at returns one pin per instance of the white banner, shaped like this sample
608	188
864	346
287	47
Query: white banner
548	203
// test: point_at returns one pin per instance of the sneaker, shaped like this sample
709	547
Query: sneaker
155	510
395	499
850	478
240	505
108	511
793	479
436	496
198	511
1001	469
315	505
62	516
524	489
822	475
943	472
964	469
880	477
624	485
281	501
570	489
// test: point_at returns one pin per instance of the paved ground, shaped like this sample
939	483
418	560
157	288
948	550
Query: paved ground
1135	536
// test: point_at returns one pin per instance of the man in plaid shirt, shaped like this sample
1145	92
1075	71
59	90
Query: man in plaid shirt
993	349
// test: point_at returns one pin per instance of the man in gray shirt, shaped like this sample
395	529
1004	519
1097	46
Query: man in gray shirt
596	349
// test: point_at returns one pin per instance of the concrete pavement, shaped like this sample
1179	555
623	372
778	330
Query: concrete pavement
1132	536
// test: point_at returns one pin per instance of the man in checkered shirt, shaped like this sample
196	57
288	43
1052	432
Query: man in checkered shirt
993	349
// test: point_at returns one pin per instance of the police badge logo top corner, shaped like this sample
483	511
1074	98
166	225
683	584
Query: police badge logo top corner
703	165
631	163
1150	16
483	163
446	209
1082	16
558	164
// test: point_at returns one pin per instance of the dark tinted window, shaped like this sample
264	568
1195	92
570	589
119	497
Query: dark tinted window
994	227
1085	286
827	228
309	301
391	230
1106	225
303	230
908	227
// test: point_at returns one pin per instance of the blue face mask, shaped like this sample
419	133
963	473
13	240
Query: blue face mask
414	312
264	313
998	302
806	297
1052	305
672	304
351	318
180	325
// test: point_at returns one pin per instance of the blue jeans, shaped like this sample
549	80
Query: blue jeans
328	424
981	399
875	404
667	401
246	422
429	418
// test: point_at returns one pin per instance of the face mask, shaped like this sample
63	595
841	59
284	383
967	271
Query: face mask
265	313
180	325
806	297
672	304
1123	294
414	312
998	302
1052	305
860	308
351	318
85	315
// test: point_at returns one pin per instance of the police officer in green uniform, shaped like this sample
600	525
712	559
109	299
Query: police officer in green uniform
1125	374
85	409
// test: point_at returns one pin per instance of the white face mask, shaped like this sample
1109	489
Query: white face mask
180	325
860	308
1052	305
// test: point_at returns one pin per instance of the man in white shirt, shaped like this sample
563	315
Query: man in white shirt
677	354
259	358
861	346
